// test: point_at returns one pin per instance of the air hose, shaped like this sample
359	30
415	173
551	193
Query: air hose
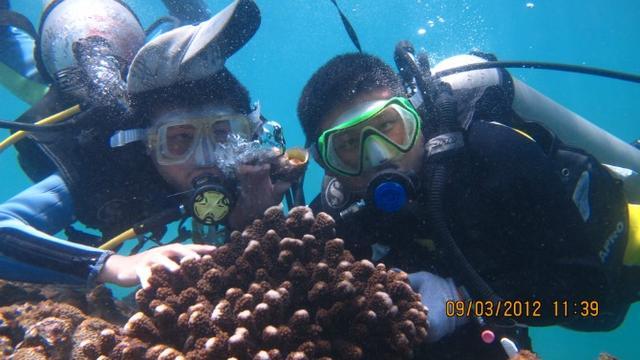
440	158
44	123
445	142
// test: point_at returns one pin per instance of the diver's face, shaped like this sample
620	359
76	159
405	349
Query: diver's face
408	162
180	175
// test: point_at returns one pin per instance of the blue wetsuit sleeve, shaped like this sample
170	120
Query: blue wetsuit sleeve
29	253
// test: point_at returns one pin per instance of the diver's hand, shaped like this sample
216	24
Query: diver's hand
435	292
129	270
257	193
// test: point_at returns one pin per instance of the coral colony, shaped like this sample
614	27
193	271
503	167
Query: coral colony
285	288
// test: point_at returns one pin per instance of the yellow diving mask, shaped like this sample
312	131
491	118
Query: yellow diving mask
178	137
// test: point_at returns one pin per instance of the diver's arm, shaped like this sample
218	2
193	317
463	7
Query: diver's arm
29	253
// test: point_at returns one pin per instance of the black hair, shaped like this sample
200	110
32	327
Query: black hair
338	82
221	87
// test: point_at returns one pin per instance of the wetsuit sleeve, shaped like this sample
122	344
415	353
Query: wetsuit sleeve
540	238
29	253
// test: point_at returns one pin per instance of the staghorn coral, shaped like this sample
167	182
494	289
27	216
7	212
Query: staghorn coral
284	288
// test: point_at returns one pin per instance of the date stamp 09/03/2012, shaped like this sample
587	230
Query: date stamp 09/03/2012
522	308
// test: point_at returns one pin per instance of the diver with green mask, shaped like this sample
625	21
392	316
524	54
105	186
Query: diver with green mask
188	144
478	202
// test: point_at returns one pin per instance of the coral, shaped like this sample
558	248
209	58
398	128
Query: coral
525	355
47	330
605	356
97	302
15	292
284	288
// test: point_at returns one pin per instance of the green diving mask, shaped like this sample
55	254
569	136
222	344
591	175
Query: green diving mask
370	135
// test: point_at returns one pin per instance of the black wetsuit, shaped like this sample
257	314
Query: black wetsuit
511	210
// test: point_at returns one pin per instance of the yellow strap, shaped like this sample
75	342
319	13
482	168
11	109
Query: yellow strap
516	130
113	243
24	88
524	134
19	135
632	252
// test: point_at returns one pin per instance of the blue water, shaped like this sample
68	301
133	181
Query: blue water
296	37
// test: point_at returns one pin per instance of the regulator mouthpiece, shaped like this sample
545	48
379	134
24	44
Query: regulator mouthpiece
390	191
211	202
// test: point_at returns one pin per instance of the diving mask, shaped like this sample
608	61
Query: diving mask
179	137
370	135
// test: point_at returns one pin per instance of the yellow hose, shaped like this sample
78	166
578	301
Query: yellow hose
19	135
129	234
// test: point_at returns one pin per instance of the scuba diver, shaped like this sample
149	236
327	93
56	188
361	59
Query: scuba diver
181	142
453	180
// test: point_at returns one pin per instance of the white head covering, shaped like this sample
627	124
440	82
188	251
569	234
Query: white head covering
193	52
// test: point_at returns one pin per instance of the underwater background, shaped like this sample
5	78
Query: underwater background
298	36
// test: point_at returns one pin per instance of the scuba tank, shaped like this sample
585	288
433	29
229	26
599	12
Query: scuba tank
533	107
64	22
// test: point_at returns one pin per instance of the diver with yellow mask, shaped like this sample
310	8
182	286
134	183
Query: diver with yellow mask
182	142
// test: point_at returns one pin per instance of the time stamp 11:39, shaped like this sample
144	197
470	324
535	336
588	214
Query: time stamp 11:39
522	308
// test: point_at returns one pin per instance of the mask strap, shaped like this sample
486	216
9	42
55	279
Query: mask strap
124	137
256	116
416	100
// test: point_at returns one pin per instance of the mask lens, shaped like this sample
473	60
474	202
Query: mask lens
179	140
345	148
220	131
354	148
391	123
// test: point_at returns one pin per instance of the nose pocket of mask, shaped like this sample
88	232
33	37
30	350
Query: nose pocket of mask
376	152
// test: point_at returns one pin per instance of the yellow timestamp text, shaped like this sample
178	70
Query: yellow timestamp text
522	308
583	308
